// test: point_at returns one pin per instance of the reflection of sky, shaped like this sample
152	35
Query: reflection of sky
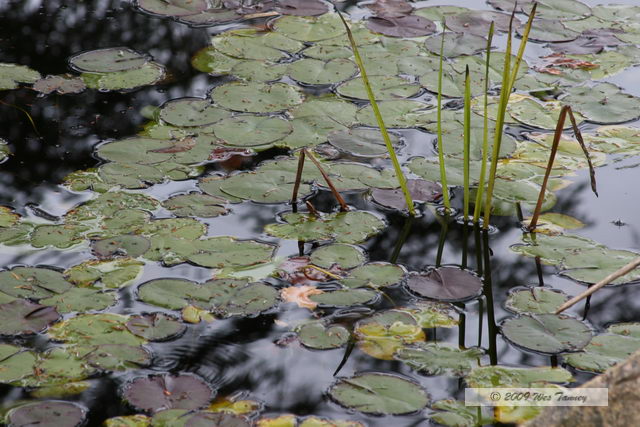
240	354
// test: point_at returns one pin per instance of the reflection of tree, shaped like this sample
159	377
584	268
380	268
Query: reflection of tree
43	35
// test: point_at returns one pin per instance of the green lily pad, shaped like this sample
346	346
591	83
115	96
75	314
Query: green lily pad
439	359
114	357
383	333
109	273
191	112
148	74
251	44
436	13
506	376
263	186
454	413
309	29
374	275
538	114
61	236
250	97
32	282
108	60
430	314
342	227
17	234
456	44
259	71
547	9
345	297
628	329
477	22
165	391
81	300
546	333
603	352
196	205
362	142
173	7
48	413
17	363
223	251
23	317
448	284
379	394
317	72
549	30
420	190
155	326
173	294
251	131
12	74
397	114
384	88
535	300
137	420
209	60
604	103
346	256
320	337
127	244
94	329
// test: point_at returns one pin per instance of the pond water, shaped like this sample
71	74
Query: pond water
255	354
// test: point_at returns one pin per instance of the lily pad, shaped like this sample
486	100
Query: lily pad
362	142
114	357
316	72
148	74
263	186
431	314
61	236
383	333
346	256
506	376
547	9
379	394
420	190
456	44
308	29
109	273
32	282
342	227
191	112
196	205
547	333
236	298
94	329
454	413
439	359
253	97
251	131
108	60
445	284
345	297
603	352
402	26
477	22
250	44
48	413
81	300
374	275
173	7
535	300
164	391
384	88
60	84
603	103
12	74
127	244
155	326
320	337
17	363
397	114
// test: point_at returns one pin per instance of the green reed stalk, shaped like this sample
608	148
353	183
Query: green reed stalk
443	172
376	111
508	79
485	134
467	141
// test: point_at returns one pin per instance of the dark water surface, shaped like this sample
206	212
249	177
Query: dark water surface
239	355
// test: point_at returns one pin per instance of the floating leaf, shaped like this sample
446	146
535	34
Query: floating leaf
439	359
343	227
128	244
379	394
108	60
374	275
630	329
94	329
309	29
60	236
420	190
431	314
164	391
59	84
397	114
554	223
173	7
17	363
456	44
32	282
317	72
301	295
48	413
114	357
148	74
506	376
361	142
320	337
456	414
477	22
12	74
603	352
22	317
346	256
137	420
445	284
191	112
196	204
384	88
250	44
403	26
535	300
105	273
345	297
382	334
546	333
256	97
547	9
603	103
155	326
251	131
81	300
